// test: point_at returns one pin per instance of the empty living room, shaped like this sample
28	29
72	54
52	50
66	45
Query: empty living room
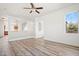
39	29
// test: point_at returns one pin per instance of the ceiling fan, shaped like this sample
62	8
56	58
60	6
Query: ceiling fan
33	8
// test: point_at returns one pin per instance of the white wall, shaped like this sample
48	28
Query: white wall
21	34
54	26
1	28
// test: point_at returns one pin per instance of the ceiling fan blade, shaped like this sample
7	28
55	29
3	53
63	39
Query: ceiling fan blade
27	8
32	5
37	11
39	8
31	11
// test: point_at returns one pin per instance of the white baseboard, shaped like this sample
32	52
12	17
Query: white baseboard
21	38
76	45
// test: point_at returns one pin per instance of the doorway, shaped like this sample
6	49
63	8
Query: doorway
5	22
5	32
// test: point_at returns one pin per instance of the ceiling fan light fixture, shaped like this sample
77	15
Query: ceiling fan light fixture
34	9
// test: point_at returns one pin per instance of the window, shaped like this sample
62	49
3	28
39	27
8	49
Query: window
72	22
24	26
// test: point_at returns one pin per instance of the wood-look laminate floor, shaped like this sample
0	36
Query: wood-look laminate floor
36	47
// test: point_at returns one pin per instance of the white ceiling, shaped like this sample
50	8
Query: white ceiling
16	9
